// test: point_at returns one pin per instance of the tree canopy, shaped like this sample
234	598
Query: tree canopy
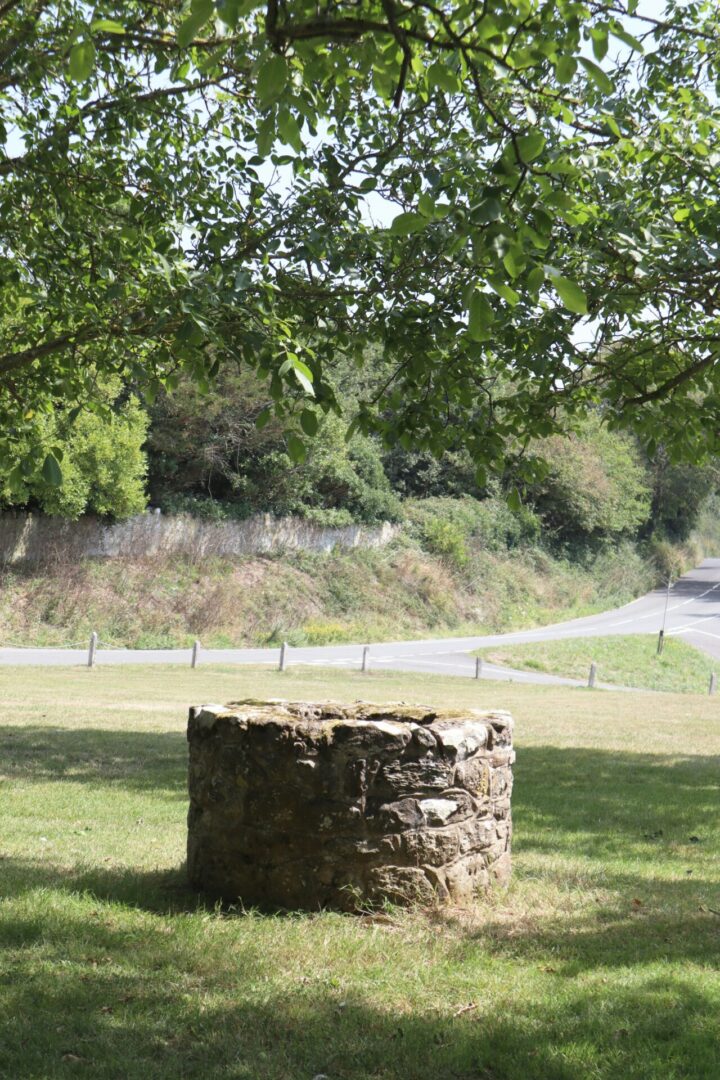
515	203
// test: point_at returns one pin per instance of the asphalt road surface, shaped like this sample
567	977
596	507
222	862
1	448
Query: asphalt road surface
690	610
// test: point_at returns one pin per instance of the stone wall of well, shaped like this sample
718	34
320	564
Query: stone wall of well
300	805
36	538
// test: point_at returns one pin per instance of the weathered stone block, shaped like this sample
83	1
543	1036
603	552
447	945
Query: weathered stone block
301	805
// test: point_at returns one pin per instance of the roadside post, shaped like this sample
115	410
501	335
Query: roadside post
478	667
91	649
283	655
591	676
365	658
713	684
195	653
661	635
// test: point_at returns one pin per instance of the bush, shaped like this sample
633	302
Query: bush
446	538
670	561
595	486
679	493
621	572
103	464
460	524
208	449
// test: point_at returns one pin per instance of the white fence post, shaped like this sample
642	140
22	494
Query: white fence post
91	649
283	656
195	653
713	684
593	673
365	658
478	667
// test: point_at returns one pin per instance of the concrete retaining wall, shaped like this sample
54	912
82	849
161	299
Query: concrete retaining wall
35	538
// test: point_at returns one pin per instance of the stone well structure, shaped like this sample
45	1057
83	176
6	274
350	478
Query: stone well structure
300	805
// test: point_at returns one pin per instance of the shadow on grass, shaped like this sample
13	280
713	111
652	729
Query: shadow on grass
123	994
642	829
608	807
142	1002
132	760
159	892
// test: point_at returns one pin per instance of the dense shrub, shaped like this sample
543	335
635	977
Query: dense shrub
207	450
103	464
595	485
451	527
679	493
422	476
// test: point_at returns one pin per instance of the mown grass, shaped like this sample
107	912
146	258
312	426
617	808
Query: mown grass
624	660
600	961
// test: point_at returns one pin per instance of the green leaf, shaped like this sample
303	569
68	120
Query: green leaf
266	135
503	290
263	418
565	68
309	422
82	60
619	31
404	224
296	449
304	376
230	11
488	210
480	316
352	429
426	205
599	37
530	146
515	261
513	499
107	26
201	12
272	80
612	124
52	473
289	130
438	75
16	479
570	293
535	279
598	76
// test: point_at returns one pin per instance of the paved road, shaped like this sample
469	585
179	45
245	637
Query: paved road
693	612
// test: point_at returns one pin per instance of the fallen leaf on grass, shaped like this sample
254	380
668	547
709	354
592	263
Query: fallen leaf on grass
465	1008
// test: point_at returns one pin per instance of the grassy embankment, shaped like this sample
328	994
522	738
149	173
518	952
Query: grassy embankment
625	660
398	592
601	961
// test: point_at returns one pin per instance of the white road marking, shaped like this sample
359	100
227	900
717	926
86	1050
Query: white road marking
705	633
701	619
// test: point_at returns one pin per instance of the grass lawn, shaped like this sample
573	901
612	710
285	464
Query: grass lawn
600	961
625	660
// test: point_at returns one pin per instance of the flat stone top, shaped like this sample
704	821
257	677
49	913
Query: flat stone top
324	719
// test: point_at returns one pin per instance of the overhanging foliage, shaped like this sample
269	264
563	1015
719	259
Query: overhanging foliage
516	202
